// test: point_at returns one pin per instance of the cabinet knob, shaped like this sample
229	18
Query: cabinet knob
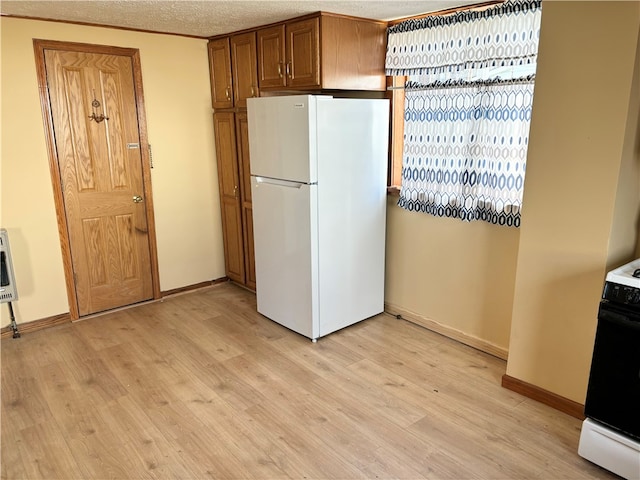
288	69
280	69
253	91
228	93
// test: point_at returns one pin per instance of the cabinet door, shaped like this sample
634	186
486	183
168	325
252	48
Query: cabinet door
271	55
229	184
242	132
303	53
245	65
220	71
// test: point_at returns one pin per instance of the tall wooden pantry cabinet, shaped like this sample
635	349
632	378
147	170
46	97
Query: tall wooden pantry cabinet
233	64
317	53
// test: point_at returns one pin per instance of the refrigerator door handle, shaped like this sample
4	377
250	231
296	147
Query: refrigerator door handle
280	183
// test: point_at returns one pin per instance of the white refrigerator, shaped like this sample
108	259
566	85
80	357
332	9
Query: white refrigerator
318	185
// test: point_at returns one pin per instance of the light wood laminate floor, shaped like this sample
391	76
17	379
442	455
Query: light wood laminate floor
201	386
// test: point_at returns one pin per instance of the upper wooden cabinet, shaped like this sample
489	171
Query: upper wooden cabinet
244	67
271	57
314	52
352	53
303	53
289	55
220	70
233	67
324	51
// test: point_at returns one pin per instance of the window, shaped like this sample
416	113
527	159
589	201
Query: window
468	92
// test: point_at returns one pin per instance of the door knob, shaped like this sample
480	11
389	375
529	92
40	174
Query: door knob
137	199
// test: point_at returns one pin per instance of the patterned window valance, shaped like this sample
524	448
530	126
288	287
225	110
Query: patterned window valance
454	46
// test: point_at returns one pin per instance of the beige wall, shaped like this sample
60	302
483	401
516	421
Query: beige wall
626	215
458	274
184	178
584	100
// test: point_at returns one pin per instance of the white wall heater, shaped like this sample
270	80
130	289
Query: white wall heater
8	289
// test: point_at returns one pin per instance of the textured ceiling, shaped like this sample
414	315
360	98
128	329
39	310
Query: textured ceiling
205	18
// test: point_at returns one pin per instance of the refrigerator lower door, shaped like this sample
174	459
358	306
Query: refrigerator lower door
285	242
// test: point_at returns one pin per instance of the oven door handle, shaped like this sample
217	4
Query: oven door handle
618	318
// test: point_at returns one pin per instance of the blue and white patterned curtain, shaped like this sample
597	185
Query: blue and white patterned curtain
468	104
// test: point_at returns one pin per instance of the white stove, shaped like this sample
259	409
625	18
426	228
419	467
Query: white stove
610	434
624	275
610	449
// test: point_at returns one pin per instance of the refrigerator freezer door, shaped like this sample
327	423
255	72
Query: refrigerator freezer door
285	236
280	143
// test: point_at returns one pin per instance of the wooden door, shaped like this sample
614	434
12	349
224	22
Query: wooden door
220	70
271	57
100	167
245	68
229	184
303	53
242	131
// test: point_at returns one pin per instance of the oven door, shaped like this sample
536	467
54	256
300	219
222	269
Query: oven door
613	394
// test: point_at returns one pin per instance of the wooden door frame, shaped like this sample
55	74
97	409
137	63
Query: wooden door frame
39	47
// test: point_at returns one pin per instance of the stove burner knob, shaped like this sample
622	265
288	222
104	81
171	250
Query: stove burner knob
633	297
